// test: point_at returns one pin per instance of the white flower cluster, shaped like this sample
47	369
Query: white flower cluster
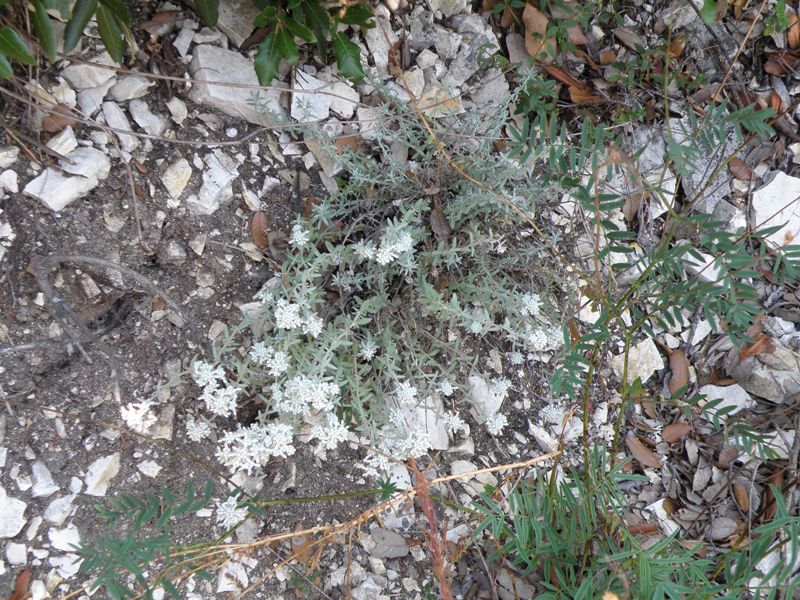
276	360
228	514
547	338
453	423
368	350
394	244
553	414
394	447
138	417
288	316
197	429
499	387
406	393
304	395
251	447
496	423
531	304
446	388
218	400
331	434
299	237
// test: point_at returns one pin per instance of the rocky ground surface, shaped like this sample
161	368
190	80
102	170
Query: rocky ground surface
163	175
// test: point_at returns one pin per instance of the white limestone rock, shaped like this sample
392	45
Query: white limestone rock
345	101
217	188
57	190
130	87
733	398
90	100
64	539
63	142
58	510
221	68
644	360
176	176
145	118
88	162
776	203
82	76
100	473
309	107
43	484
12	515
177	108
115	117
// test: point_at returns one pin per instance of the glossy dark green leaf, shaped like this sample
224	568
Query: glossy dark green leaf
266	17
43	27
319	21
286	45
358	14
5	68
208	11
267	60
83	11
708	12
300	30
119	10
348	57
12	46
110	33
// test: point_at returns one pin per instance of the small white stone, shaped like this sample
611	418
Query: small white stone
8	156
17	554
9	181
177	108
12	518
64	539
58	510
734	397
218	178
145	118
149	468
81	76
176	176
56	190
345	100
100	474
130	87
67	565
43	484
63	142
90	100
774	204
644	360
116	118
87	162
312	106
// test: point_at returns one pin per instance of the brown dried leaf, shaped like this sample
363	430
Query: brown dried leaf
722	9
576	36
607	57
58	119
739	169
675	432
21	585
538	45
679	365
726	456
676	46
440	226
346	141
564	77
793	31
642	453
259	226
773	67
583	95
762	345
642	529
741	493
574	331
627	37
160	23
508	18
633	202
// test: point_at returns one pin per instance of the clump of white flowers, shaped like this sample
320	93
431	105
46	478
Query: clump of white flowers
137	416
197	429
251	447
229	514
299	237
496	423
392	446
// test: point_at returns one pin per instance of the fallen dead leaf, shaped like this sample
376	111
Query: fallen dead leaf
607	57
643	529
641	453
59	118
562	76
633	202
538	45
676	46
726	456
739	169
773	67
21	585
762	345
576	36
738	7
674	432
583	95
741	493
793	31
440	226
629	38
259	226
722	528
346	141
679	366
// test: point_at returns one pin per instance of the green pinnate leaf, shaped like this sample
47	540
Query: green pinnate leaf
83	11
12	46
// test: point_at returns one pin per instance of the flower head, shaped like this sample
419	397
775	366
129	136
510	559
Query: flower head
299	237
496	423
137	416
228	514
205	373
197	429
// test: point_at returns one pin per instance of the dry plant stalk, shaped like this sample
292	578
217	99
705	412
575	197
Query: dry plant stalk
436	539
